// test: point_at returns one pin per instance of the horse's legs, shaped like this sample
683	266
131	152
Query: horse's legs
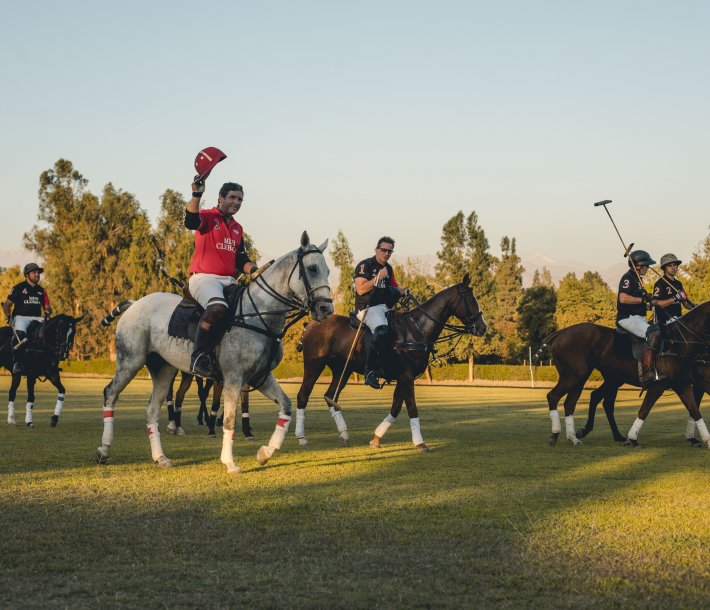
244	401
687	396
413	412
381	430
170	403
594	400
203	413
231	397
126	369
31	380
335	411
162	379
572	386
16	379
59	405
312	370
212	419
175	423
698	392
271	389
653	393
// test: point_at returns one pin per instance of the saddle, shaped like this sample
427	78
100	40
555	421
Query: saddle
628	346
187	313
404	334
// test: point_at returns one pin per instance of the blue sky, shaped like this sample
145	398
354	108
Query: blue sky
375	117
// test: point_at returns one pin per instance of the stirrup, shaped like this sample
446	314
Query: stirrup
17	368
201	364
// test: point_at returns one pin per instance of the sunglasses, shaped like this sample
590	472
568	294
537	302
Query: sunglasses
386	250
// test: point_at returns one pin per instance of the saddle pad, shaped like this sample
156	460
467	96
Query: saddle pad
183	322
628	347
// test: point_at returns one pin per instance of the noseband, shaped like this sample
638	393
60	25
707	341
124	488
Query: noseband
471	316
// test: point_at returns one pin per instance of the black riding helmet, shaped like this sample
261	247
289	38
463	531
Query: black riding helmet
640	257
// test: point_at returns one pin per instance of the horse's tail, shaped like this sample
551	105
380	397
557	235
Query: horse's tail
118	310
546	343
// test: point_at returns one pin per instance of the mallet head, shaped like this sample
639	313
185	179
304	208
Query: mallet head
598	203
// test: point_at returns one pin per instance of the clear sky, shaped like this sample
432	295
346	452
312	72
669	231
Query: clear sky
375	118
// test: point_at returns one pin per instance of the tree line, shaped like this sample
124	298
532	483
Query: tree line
99	250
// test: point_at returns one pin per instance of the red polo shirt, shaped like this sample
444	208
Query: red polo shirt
216	244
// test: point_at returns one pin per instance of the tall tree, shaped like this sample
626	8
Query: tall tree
508	292
697	271
536	315
588	299
343	260
9	277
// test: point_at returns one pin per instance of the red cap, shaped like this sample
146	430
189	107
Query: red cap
206	159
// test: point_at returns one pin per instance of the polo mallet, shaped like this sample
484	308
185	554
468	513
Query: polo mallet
332	402
20	342
627	250
255	275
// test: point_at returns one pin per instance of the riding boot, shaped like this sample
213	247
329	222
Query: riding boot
210	330
372	362
18	355
648	361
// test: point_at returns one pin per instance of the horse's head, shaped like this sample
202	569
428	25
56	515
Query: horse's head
59	335
310	284
466	309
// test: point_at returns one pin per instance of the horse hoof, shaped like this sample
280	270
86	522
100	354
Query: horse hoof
29	425
344	442
375	442
163	462
422	448
553	438
211	433
631	442
180	431
232	468
303	441
170	429
101	457
11	421
582	432
250	438
694	442
54	420
574	441
264	454
620	439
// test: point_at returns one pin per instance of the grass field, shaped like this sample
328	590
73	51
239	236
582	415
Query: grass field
491	517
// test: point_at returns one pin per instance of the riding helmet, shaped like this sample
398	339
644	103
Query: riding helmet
640	257
668	259
32	267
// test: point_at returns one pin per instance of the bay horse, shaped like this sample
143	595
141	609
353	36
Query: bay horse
609	389
579	349
328	343
204	415
248	353
49	343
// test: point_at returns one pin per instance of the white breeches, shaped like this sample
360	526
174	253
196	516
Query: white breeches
20	323
636	325
375	316
209	289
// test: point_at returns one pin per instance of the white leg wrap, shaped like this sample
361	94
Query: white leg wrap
570	432
381	430
28	412
690	428
107	437
555	418
59	405
300	423
339	420
417	438
156	449
635	429
227	456
703	429
11	413
277	438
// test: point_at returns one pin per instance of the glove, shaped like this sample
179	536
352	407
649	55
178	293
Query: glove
244	279
198	188
678	297
682	296
646	297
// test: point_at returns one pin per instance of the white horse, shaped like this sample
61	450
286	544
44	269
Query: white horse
251	349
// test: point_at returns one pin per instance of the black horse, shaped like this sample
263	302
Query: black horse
49	343
579	349
333	342
204	416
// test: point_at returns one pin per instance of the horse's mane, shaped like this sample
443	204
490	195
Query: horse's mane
698	310
413	310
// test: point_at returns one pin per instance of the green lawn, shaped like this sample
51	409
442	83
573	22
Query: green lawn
491	517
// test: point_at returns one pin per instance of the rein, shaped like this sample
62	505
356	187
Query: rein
694	337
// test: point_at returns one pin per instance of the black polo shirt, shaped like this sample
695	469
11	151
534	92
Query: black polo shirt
28	300
383	293
662	291
630	285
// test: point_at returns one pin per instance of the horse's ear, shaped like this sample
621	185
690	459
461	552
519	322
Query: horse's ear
305	240
79	319
466	280
323	246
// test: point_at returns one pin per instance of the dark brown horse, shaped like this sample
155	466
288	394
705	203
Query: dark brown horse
328	343
608	390
205	416
581	348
